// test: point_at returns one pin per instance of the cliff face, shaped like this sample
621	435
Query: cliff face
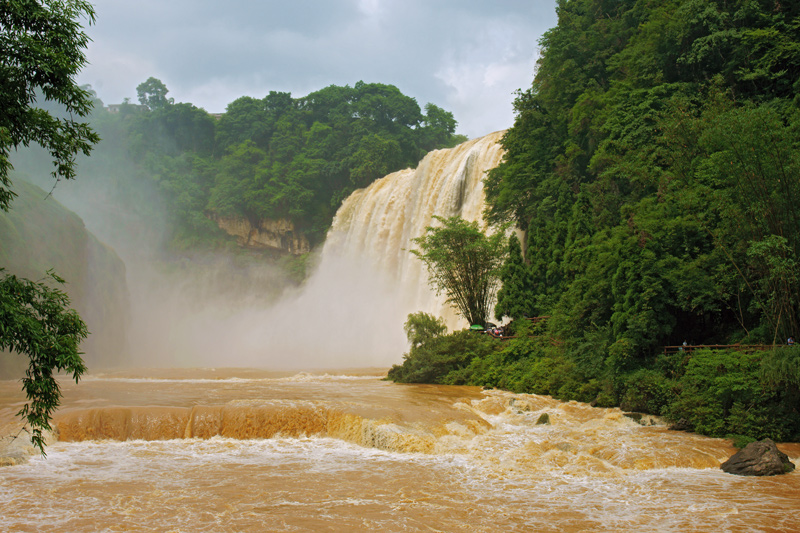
38	234
277	234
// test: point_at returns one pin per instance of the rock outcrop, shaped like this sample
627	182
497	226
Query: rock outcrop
761	458
277	234
681	425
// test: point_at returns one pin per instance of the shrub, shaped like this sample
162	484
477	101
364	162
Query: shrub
647	391
433	359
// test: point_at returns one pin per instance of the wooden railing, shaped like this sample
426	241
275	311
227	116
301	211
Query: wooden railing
539	319
501	337
747	348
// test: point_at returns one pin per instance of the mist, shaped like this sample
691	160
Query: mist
223	308
240	308
345	315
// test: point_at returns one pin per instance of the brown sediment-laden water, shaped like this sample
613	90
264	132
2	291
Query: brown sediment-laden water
248	450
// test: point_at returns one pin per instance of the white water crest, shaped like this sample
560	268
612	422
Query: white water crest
375	226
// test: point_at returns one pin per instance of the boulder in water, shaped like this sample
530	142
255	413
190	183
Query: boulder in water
761	458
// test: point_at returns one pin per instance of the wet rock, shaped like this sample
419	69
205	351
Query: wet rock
760	458
681	425
544	418
642	419
521	406
13	457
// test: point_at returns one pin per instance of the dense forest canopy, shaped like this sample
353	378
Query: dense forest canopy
277	157
654	167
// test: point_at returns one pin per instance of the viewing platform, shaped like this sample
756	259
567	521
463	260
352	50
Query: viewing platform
746	348
536	320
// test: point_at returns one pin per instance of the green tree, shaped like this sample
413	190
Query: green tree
319	148
153	94
42	49
374	158
172	130
438	128
515	298
421	327
41	46
35	319
463	263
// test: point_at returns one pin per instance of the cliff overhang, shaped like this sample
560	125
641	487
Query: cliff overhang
275	234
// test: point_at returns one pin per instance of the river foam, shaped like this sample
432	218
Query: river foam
359	454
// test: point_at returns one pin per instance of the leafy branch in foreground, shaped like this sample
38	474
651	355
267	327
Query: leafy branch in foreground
36	320
42	49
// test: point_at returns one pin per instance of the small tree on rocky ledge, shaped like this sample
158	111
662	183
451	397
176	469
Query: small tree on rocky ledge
463	263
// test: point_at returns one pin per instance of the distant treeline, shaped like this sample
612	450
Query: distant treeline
654	166
269	158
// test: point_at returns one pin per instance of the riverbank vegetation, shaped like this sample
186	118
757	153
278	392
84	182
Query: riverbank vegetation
721	393
654	167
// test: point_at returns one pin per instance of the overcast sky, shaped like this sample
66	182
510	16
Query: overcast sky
467	56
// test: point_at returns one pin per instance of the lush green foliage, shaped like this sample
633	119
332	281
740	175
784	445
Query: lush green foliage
719	393
654	166
35	319
463	263
433	355
421	327
41	46
153	94
515	298
278	157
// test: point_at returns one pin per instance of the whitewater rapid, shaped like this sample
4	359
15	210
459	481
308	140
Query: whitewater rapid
349	452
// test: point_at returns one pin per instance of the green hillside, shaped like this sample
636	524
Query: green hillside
654	166
39	234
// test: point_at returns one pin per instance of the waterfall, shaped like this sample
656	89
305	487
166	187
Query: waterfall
351	310
374	227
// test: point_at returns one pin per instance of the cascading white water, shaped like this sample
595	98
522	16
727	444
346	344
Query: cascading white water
375	226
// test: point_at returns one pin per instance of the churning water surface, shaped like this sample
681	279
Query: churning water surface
246	450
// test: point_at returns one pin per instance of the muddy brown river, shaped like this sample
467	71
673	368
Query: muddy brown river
247	450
